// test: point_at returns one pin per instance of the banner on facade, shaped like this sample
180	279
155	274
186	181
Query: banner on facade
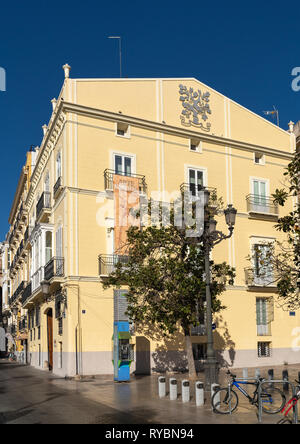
126	199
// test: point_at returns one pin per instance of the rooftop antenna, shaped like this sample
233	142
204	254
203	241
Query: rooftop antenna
120	50
274	113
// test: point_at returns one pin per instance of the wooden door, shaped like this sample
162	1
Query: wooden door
50	338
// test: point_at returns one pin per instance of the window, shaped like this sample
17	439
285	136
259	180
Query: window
58	165
47	183
122	130
264	316
259	190
199	351
48	249
264	349
60	326
263	269
195	145
59	242
123	165
259	159
196	181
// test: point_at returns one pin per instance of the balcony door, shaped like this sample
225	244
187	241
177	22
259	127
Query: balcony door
259	189
123	165
196	181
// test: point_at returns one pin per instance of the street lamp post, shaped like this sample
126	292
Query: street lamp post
212	237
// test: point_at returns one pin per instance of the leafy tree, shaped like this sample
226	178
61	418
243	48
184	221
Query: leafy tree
165	279
284	257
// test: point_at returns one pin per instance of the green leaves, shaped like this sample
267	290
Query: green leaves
165	278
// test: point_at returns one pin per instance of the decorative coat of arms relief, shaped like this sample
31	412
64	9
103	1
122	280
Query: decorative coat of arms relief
195	106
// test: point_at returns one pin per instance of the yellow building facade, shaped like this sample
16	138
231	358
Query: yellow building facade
168	133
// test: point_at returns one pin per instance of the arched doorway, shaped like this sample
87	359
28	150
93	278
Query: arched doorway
50	337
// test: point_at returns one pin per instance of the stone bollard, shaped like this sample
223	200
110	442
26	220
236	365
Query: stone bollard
161	386
173	389
185	390
285	377
199	390
215	388
257	373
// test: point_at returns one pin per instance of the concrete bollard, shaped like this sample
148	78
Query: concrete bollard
185	390
199	390
257	373
161	386
245	376
173	389
215	388
285	377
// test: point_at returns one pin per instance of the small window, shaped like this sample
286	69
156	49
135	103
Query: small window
264	349
195	145
122	130
259	159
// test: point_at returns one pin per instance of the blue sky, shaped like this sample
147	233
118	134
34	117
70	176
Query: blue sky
244	50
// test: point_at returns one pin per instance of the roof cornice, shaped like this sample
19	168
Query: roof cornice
168	129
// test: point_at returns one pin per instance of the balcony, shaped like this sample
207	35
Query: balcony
198	330
107	263
192	190
23	324
54	268
17	292
26	293
255	281
57	187
27	235
43	207
109	180
260	206
37	278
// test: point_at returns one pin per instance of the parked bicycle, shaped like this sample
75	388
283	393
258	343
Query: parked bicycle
225	400
289	407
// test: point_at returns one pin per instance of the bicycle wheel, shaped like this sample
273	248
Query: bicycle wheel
221	402
273	400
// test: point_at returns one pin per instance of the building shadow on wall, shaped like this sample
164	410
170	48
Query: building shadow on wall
224	345
169	354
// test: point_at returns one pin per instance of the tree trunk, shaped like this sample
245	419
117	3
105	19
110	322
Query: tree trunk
190	356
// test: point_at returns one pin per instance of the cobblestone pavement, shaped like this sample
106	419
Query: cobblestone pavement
30	396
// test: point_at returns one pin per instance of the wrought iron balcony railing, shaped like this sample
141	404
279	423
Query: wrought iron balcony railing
57	187
261	205
26	293
198	330
108	262
254	279
193	190
109	180
17	292
55	267
44	203
23	324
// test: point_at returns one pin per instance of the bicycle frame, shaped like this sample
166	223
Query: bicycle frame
250	398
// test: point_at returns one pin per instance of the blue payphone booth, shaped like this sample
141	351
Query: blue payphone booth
122	343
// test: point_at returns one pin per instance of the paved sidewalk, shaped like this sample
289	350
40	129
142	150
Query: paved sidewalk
30	396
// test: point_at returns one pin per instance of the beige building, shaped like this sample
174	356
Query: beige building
169	134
